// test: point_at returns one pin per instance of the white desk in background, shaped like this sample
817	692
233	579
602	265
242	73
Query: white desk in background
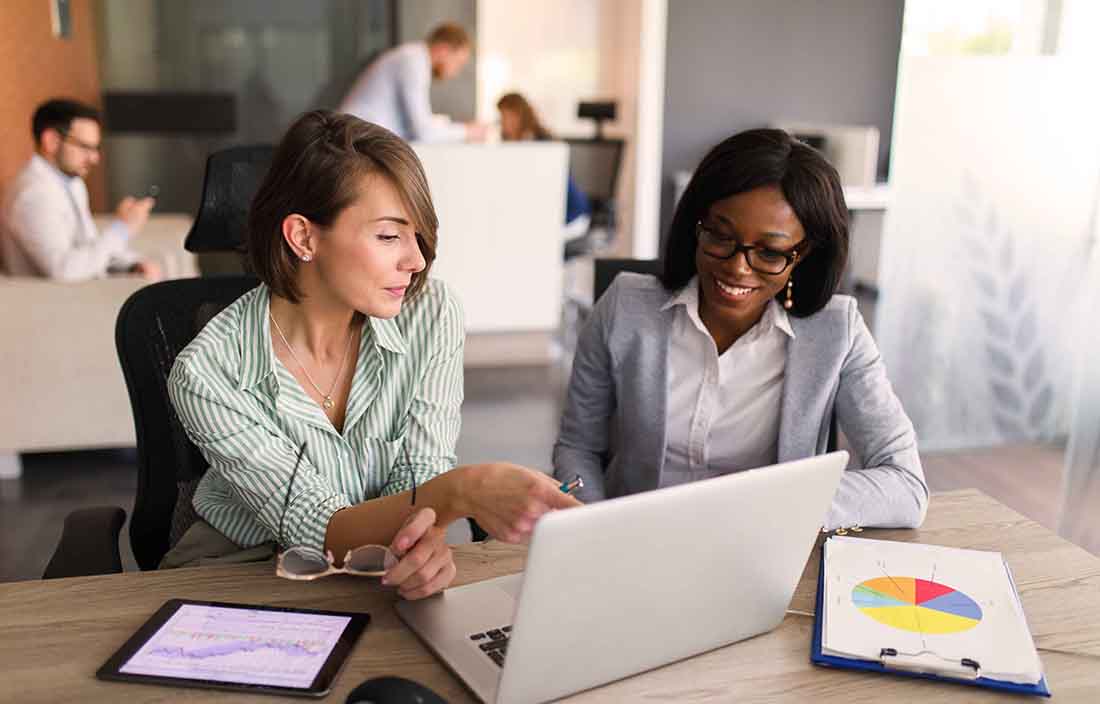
501	209
867	209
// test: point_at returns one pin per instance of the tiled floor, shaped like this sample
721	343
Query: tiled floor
509	414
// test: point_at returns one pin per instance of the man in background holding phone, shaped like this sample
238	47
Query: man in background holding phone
46	227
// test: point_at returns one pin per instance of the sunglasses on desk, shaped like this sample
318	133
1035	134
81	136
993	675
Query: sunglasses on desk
305	563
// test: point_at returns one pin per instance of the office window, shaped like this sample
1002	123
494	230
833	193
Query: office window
989	238
275	58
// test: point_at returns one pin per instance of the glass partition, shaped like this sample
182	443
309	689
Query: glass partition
277	58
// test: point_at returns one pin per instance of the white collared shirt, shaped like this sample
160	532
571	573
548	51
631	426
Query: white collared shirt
723	411
394	91
46	228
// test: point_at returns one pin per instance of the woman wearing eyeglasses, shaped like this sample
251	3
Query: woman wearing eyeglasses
739	355
327	400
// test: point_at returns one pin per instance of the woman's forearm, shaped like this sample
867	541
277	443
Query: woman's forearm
376	521
878	497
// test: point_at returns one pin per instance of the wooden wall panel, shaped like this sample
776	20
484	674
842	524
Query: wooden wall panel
36	66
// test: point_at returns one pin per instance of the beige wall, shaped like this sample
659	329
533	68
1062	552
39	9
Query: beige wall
620	54
560	53
36	66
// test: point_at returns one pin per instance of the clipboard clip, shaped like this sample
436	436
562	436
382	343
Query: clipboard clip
927	662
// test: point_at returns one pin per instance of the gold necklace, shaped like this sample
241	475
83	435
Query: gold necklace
327	403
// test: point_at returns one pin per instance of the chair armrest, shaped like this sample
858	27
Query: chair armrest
89	544
477	533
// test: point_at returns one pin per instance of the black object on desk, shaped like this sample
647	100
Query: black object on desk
238	647
393	690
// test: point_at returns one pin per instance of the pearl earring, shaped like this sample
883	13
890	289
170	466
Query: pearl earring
307	257
789	303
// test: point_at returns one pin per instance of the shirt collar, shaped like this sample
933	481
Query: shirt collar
42	163
775	316
257	353
255	331
387	334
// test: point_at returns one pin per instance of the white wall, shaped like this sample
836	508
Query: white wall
549	52
558	54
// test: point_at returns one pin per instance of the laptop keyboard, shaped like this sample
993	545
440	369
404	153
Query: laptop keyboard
493	643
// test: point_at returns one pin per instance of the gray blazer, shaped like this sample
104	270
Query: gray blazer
613	429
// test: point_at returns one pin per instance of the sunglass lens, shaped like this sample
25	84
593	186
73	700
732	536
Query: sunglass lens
303	561
372	560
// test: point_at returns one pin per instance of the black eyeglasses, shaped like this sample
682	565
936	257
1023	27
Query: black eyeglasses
66	137
304	563
762	259
294	473
286	499
412	472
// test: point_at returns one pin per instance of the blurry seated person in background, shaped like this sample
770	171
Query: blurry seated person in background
518	121
47	228
327	399
394	90
740	354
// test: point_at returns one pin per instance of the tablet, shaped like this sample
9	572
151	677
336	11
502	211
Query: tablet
238	647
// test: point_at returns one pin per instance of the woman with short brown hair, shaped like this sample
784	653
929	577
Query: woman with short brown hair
327	399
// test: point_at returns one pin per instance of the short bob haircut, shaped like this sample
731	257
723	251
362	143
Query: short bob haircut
769	157
58	114
316	173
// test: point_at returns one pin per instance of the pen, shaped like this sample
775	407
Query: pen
571	486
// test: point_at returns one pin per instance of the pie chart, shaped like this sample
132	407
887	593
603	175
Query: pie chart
917	605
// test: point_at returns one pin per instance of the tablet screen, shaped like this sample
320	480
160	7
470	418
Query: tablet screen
211	643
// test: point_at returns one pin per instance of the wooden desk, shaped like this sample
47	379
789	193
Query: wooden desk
56	634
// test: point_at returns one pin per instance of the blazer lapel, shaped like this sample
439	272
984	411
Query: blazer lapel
792	420
652	416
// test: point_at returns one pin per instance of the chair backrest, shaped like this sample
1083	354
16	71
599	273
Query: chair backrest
607	269
153	326
594	165
232	178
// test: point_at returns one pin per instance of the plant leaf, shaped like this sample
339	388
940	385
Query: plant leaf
1006	396
996	326
1010	427
985	283
1034	371
1026	329
1000	361
1040	408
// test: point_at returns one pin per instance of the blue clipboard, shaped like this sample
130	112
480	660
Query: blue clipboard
820	659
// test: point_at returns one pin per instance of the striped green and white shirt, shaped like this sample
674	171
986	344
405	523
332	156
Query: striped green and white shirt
249	416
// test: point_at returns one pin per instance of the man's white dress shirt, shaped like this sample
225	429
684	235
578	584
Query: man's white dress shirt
723	410
395	92
46	228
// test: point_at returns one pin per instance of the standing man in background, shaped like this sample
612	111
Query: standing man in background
46	227
395	89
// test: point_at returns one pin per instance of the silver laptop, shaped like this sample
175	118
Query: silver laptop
627	585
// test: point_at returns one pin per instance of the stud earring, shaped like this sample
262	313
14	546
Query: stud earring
789	303
307	257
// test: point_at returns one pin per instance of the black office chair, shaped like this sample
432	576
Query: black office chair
154	324
607	269
594	165
232	178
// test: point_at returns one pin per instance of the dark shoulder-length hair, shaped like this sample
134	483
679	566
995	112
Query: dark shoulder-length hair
528	118
769	157
315	173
